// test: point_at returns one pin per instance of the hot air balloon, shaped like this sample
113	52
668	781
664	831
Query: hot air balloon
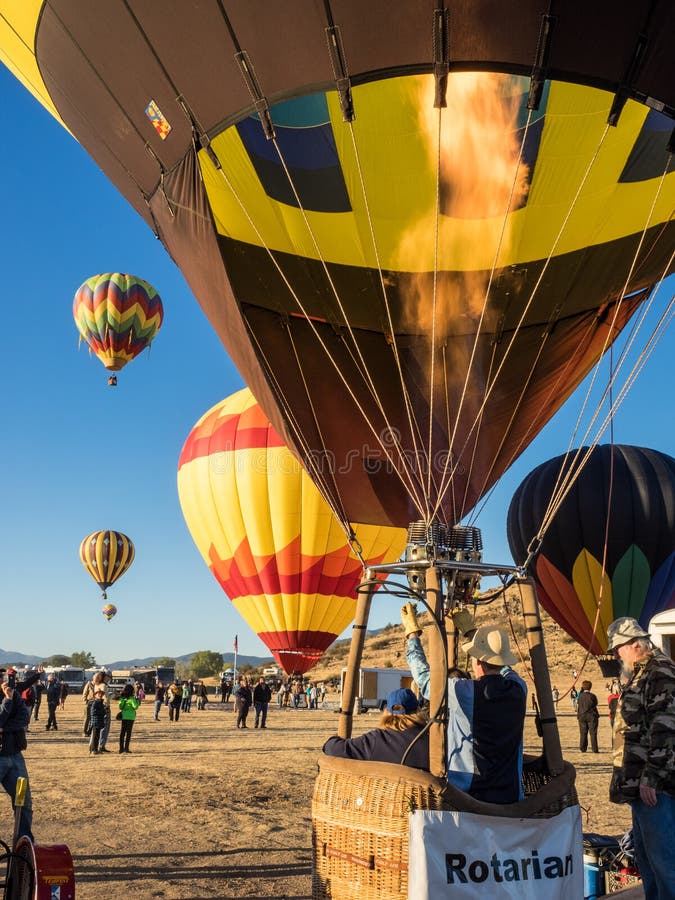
414	229
109	611
118	316
106	555
624	495
268	536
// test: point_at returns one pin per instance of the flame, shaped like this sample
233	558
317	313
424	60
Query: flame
473	152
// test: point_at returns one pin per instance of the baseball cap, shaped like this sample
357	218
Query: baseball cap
402	702
623	631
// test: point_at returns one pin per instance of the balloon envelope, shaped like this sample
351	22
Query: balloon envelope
118	316
109	611
106	555
639	523
268	536
394	305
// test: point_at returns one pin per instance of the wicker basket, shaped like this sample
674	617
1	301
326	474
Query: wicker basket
360	819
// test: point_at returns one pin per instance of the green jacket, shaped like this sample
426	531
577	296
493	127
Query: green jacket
128	706
644	731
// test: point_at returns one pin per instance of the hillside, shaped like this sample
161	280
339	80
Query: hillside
387	648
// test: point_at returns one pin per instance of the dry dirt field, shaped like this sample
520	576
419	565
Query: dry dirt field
202	810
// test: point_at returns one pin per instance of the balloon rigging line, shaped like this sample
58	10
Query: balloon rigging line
654	338
455	518
317	335
434	301
611	328
575	468
545	405
476	439
448	476
490	388
392	332
514	412
308	456
260	100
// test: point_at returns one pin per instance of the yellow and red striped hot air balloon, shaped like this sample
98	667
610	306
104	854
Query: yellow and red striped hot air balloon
268	535
118	316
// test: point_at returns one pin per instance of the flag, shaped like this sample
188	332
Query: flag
236	644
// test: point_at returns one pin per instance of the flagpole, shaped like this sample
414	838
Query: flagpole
236	648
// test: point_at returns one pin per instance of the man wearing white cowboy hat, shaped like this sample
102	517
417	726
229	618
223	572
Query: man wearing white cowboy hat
644	753
486	715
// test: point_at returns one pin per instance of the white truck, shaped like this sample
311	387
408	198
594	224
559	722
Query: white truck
374	685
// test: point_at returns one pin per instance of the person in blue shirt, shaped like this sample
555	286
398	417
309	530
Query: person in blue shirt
486	714
402	737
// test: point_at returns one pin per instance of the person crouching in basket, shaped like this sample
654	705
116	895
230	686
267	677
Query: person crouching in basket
401	737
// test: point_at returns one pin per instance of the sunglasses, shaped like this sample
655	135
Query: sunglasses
615	651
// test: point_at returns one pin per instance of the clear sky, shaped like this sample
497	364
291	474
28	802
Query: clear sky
77	456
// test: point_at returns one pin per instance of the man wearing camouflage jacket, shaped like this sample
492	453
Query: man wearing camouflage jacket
644	753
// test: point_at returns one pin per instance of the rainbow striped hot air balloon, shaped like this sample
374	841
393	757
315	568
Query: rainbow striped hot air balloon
118	316
109	611
268	535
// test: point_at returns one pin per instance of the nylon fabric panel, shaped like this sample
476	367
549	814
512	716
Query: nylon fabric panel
630	583
400	177
18	22
558	597
591	583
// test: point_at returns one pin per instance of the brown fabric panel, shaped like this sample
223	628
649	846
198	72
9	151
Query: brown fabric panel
189	237
367	484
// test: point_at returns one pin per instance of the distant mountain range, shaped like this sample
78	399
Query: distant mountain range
14	657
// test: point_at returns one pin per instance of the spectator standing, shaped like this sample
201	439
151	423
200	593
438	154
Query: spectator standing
53	698
261	698
202	695
14	718
555	695
62	695
644	753
38	688
242	702
587	716
186	696
174	698
97	716
312	696
159	699
128	705
613	703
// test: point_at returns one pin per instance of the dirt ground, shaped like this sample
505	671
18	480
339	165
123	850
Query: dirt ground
200	809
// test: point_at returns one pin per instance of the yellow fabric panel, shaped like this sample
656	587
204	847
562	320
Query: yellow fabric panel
18	22
300	612
587	578
400	181
200	483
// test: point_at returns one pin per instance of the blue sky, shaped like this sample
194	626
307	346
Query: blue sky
77	456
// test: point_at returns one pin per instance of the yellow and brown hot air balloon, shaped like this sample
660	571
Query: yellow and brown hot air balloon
118	316
414	226
268	535
106	555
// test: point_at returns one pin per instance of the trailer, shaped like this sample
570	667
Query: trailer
374	685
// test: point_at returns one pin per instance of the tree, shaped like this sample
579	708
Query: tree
206	662
58	660
83	659
163	661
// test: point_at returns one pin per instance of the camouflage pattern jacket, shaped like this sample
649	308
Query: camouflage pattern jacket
644	731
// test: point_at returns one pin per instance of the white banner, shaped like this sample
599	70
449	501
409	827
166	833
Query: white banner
462	855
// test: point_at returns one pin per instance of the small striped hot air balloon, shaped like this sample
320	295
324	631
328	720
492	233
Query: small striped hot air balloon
109	611
269	537
118	316
106	555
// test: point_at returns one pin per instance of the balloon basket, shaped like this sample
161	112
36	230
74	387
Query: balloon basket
360	820
38	872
